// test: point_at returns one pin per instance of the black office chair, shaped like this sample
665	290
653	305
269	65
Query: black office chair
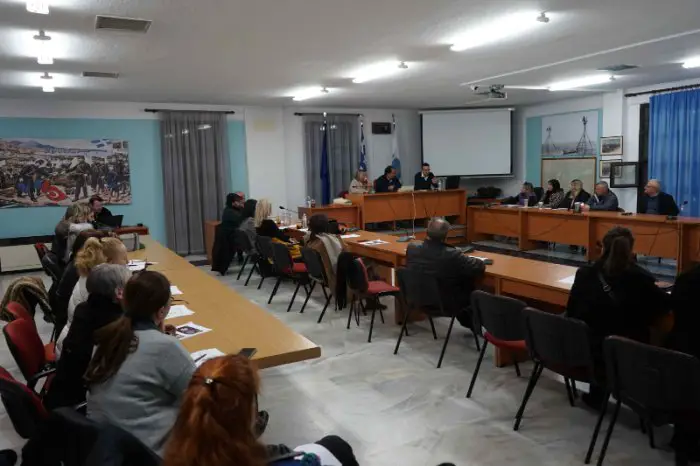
502	319
561	345
288	269
660	385
421	292
244	244
317	275
266	259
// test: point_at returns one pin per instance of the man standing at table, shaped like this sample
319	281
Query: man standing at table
456	273
424	180
388	182
602	200
657	202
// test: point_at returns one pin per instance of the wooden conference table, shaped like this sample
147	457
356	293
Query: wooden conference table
235	321
655	235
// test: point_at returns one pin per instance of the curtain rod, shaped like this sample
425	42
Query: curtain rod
668	89
156	110
330	113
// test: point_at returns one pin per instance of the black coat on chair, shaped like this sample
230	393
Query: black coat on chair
224	250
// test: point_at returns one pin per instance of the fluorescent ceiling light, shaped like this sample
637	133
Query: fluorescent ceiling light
310	93
48	88
692	63
379	70
503	28
580	82
44	55
203	127
38	6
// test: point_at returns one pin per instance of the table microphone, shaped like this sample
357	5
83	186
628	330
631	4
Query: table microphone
289	210
675	217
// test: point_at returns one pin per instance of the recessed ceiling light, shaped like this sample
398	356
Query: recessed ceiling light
310	93
44	55
379	70
505	27
543	18
48	88
46	75
580	82
38	6
692	63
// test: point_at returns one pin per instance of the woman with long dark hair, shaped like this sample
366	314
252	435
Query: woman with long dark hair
138	374
554	196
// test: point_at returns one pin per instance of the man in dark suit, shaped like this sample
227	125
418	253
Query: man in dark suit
602	199
102	214
455	272
657	202
388	182
424	180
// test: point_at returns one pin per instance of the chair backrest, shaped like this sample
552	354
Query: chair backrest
265	247
651	377
243	242
314	265
23	406
282	258
18	311
500	316
357	277
419	290
49	263
559	342
539	192
26	346
41	250
117	447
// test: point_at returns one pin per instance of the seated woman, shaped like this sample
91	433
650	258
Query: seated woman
526	197
328	245
80	221
360	184
265	226
576	194
105	285
138	374
96	251
615	296
216	424
554	196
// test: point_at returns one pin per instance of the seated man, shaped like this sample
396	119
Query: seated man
603	199
455	272
424	180
526	197
657	202
388	182
101	213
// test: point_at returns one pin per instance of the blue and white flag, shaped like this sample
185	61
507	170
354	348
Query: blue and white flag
363	147
395	160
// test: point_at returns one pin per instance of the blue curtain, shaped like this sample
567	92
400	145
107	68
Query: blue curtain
674	146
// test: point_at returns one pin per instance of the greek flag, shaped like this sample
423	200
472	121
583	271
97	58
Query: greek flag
363	147
395	160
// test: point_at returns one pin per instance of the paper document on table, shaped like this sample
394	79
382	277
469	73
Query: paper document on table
373	242
179	310
189	330
174	290
350	236
568	280
200	357
137	266
480	258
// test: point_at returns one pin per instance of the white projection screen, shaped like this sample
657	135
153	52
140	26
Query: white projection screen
468	142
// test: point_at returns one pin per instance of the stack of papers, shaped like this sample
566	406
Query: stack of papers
200	357
373	242
189	330
480	258
136	266
179	310
350	236
568	280
174	291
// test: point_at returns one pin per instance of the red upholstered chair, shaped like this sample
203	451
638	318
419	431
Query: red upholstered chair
18	311
286	268
368	290
23	405
33	358
41	250
499	320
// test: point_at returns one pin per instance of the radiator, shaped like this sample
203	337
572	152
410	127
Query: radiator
19	258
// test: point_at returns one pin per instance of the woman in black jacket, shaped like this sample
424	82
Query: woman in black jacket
105	284
575	194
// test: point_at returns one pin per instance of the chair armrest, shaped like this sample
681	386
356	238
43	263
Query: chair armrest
31	383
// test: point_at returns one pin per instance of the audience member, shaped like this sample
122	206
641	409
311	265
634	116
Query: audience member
456	273
388	182
683	337
101	213
138	373
215	426
61	232
424	179
554	196
80	221
526	197
360	184
105	286
657	202
232	216
328	245
615	296
602	200
575	195
96	251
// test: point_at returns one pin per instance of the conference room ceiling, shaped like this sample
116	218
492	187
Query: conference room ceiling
260	52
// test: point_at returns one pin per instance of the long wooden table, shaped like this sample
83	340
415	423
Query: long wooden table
349	215
235	321
655	235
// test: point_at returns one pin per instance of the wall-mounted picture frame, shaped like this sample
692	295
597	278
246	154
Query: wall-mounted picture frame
606	167
611	145
624	175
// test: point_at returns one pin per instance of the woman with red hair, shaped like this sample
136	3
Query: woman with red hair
216	424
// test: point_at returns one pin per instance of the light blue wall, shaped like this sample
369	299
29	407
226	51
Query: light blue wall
533	145
144	160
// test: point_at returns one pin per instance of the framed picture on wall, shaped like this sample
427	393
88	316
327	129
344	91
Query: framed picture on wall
624	175
606	167
611	145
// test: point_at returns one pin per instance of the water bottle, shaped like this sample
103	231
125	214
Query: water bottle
304	222
308	201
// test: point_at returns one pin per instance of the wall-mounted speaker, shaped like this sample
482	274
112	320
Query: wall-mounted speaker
381	128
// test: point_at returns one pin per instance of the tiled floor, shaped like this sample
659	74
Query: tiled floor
401	410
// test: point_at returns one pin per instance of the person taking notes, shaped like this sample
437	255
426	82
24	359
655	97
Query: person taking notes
424	180
388	182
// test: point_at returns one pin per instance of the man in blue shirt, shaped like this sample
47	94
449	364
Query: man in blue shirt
387	183
603	199
657	202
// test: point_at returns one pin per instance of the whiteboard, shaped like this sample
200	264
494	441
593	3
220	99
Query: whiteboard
566	169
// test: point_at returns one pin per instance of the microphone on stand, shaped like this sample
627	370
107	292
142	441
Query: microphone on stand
289	210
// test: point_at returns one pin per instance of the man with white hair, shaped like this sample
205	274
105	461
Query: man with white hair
657	202
602	199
